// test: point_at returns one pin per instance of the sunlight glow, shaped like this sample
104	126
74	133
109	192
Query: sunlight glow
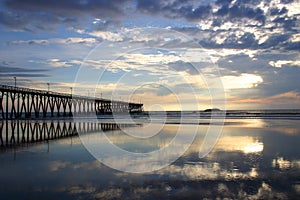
243	81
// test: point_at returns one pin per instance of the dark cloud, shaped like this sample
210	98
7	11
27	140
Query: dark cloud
223	2
32	15
31	22
174	9
112	8
24	75
285	79
286	1
200	12
192	12
103	25
288	23
248	41
13	21
241	11
277	11
241	63
29	42
151	6
292	46
232	41
275	41
247	12
7	71
183	66
275	80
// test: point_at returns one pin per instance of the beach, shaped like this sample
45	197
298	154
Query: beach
149	100
254	158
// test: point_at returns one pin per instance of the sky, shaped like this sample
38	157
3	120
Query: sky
169	55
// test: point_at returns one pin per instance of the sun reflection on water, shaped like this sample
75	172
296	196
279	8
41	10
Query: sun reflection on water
245	144
254	147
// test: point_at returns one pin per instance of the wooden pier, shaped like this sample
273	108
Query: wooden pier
26	103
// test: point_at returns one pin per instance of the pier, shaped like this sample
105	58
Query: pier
20	132
26	103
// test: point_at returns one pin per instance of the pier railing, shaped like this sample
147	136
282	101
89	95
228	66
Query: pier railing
19	103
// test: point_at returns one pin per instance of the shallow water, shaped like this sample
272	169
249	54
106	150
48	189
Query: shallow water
253	158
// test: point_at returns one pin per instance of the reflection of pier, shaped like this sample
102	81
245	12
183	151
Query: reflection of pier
17	103
18	132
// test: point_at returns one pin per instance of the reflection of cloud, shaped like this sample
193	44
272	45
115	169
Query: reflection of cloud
139	155
109	194
286	130
281	163
80	190
297	188
87	165
57	165
74	140
60	165
245	144
266	192
205	171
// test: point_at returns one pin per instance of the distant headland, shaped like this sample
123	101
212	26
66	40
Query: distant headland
212	110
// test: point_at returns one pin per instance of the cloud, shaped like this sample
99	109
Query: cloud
9	71
31	22
221	24
31	15
107	35
192	10
275	80
69	7
183	66
283	99
281	63
293	46
242	81
239	10
24	75
13	21
70	40
240	62
105	24
287	95
254	43
152	62
248	25
58	63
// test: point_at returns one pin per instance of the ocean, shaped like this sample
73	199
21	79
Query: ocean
240	154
